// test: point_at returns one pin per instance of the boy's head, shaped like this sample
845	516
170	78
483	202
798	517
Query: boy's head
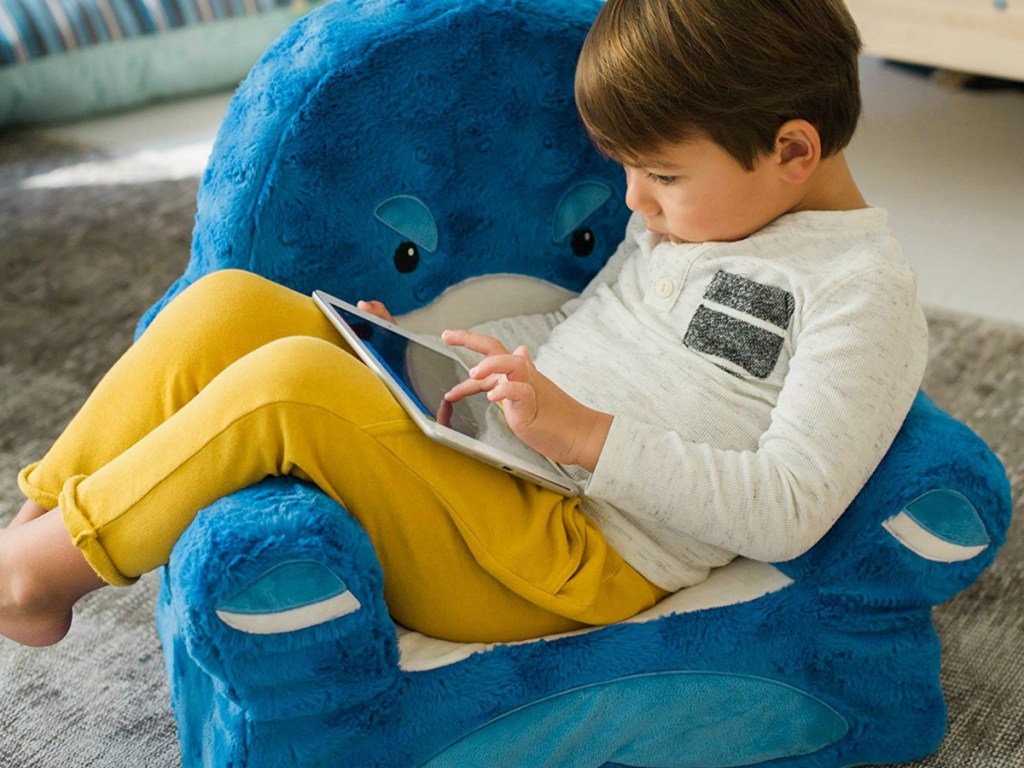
655	72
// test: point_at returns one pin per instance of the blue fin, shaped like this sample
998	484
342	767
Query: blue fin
715	720
289	597
942	526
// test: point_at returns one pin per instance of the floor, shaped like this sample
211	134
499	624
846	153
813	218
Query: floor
947	162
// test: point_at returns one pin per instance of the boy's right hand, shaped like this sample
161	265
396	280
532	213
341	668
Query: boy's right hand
378	309
537	410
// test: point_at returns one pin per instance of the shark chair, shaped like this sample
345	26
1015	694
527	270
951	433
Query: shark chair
428	154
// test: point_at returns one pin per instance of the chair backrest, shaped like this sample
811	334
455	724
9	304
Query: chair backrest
393	149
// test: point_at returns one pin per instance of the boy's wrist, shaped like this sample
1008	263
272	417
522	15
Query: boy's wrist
592	439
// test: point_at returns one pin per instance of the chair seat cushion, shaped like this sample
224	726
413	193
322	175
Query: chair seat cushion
740	581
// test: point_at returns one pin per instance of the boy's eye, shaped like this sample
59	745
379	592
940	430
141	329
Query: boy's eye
666	180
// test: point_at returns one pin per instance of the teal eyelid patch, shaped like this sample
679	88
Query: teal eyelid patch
410	218
577	205
949	516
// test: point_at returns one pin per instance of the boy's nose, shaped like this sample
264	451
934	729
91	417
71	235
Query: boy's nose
638	197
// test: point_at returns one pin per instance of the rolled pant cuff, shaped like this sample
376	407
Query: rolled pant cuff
86	538
33	492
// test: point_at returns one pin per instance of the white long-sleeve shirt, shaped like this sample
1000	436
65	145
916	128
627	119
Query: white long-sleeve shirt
755	385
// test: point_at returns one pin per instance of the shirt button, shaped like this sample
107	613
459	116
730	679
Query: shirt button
665	287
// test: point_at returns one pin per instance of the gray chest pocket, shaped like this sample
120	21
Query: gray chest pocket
742	323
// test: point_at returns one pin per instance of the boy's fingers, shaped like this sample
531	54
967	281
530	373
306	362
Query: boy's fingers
510	392
500	365
464	389
376	308
478	342
475	386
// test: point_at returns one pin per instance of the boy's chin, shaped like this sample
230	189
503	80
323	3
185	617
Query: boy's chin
669	237
674	239
665	235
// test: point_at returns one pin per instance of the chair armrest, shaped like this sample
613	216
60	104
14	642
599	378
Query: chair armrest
941	474
275	593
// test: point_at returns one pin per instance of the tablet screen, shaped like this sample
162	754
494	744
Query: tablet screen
424	374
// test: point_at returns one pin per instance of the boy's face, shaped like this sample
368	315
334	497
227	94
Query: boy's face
695	191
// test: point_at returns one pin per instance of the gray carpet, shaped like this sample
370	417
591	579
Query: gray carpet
81	258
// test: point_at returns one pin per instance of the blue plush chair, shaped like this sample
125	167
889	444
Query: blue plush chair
428	153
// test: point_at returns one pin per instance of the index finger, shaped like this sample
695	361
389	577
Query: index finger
478	342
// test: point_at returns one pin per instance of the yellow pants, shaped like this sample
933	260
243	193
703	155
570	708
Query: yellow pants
239	378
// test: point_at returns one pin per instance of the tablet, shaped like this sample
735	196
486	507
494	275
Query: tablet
419	374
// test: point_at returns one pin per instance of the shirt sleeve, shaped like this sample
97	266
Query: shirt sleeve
857	365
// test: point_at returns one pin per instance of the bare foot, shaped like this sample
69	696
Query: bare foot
29	511
42	576
23	620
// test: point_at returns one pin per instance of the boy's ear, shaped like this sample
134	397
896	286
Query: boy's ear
797	150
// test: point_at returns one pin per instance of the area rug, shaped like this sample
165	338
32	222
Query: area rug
88	241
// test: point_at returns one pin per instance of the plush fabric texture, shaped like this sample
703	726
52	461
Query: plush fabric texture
69	59
395	149
467	107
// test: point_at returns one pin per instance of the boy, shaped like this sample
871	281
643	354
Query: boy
724	386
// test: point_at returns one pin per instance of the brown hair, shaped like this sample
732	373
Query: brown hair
661	71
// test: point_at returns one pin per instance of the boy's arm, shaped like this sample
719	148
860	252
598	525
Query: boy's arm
856	369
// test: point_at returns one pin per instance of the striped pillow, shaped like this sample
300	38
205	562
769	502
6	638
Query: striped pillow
68	59
31	29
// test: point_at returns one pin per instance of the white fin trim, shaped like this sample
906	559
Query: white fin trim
926	544
293	619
